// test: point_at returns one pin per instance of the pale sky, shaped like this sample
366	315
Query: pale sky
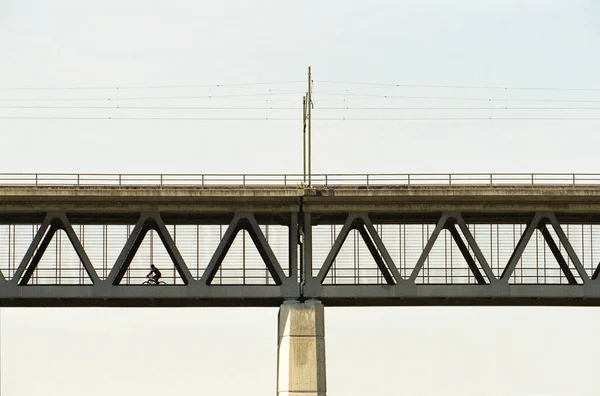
469	45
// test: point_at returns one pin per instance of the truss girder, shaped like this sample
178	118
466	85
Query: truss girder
305	278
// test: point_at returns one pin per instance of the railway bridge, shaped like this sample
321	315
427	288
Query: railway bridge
271	240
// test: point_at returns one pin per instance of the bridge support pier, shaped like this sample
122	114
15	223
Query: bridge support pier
301	349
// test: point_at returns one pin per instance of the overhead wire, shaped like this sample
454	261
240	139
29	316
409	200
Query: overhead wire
260	83
150	118
249	97
147	107
461	86
143	97
314	119
119	107
466	98
116	87
346	93
266	93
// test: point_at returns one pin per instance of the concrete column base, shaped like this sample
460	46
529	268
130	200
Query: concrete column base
301	349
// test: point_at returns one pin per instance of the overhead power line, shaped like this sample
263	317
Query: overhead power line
263	108
252	96
262	83
247	95
151	118
392	105
118	107
461	86
314	119
471	98
118	87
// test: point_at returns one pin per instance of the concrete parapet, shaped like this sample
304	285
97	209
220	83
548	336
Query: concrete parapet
384	199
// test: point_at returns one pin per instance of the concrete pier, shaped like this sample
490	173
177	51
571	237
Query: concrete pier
301	349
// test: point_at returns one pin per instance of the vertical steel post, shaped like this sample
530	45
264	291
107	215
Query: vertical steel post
304	139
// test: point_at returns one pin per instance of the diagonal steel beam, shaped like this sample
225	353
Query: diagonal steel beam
466	254
251	226
221	251
475	247
428	246
169	244
31	249
521	245
335	249
596	273
564	266
389	279
38	256
65	225
568	247
131	247
382	249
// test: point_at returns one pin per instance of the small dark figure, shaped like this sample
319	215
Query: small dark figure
154	274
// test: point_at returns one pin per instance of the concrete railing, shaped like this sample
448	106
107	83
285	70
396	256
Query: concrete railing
294	180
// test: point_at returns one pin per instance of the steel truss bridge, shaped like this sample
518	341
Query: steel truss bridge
257	240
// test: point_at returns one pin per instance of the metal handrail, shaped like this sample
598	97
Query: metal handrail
295	180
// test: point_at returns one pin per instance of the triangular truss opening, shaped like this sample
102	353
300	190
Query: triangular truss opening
358	256
451	256
151	252
354	263
544	256
405	243
150	242
243	264
60	264
251	261
451	261
103	243
545	261
55	256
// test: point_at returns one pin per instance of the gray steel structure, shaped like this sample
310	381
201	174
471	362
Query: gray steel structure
453	212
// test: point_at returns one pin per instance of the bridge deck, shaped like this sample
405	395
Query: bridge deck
568	199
